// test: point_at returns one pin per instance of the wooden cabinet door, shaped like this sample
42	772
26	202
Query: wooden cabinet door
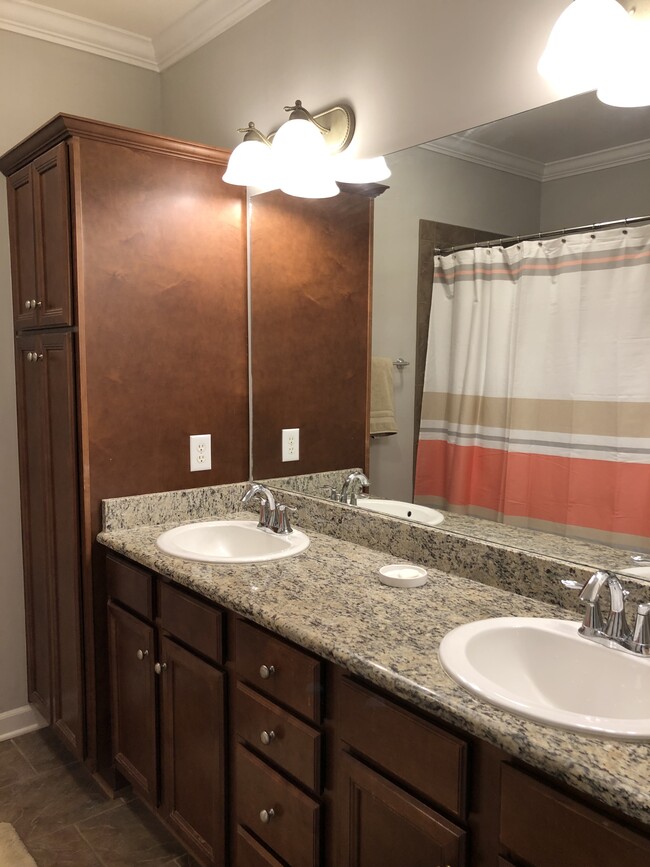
53	237
133	699
40	237
20	195
193	750
59	406
34	495
382	824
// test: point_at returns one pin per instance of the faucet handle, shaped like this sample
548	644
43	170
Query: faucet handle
284	525
639	642
332	493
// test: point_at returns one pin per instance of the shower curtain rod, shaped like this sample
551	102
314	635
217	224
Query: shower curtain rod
556	233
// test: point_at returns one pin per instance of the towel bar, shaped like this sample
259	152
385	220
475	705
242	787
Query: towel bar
401	363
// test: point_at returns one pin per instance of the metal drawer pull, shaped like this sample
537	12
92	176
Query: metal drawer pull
266	671
141	654
267	737
266	815
160	667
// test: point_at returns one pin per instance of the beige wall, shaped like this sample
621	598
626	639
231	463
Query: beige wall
41	79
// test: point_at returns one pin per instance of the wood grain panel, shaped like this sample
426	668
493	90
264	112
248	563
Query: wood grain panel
310	312
197	624
22	241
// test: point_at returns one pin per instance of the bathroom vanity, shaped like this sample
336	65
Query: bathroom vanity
296	713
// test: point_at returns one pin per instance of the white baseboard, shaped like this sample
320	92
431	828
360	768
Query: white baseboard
20	721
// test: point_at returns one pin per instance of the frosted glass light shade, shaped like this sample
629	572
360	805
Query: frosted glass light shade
301	161
360	171
626	82
251	165
581	45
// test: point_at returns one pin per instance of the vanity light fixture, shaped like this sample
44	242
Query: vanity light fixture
598	45
303	158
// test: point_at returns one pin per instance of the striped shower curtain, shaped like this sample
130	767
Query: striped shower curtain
536	405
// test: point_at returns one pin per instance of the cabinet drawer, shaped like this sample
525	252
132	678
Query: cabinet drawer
290	743
413	749
130	584
289	675
250	853
293	829
195	623
546	828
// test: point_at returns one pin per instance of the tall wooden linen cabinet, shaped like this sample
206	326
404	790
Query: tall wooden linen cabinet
129	286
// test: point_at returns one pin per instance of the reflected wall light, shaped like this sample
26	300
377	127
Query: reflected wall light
597	45
304	157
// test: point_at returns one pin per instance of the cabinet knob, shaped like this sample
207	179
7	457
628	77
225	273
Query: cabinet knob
30	356
38	304
266	671
141	654
267	737
159	667
266	815
28	305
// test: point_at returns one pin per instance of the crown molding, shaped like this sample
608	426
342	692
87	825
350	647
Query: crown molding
199	26
62	28
485	155
193	30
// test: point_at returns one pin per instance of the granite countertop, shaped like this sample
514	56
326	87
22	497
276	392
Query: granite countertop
329	600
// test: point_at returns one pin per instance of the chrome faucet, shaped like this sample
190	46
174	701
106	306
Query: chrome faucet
273	516
614	632
348	486
266	501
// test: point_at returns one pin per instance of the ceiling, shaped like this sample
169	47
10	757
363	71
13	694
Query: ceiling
556	140
153	34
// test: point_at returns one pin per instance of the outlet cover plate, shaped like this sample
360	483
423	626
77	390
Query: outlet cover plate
200	452
291	444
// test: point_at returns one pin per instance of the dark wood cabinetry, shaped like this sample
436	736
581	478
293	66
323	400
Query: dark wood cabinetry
352	777
45	367
168	710
129	252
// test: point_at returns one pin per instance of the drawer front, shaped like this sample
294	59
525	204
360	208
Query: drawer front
195	623
130	584
292	830
279	736
250	853
413	749
546	828
287	674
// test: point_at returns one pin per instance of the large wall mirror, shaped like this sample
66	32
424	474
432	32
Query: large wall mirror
573	163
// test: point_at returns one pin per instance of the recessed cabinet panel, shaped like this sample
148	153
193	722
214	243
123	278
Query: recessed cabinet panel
289	675
193	622
193	747
277	812
383	825
20	195
544	828
133	699
37	538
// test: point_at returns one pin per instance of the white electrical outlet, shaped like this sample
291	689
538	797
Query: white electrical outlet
291	444
200	452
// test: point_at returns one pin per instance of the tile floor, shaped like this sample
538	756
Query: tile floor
65	820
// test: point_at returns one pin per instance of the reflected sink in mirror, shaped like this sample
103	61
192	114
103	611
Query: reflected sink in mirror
398	509
543	669
230	542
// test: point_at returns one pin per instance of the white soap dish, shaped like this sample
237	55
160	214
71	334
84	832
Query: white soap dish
403	575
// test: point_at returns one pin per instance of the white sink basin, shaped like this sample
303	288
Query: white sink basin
398	509
230	542
638	572
542	669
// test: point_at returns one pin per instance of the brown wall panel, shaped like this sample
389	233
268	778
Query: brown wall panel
310	330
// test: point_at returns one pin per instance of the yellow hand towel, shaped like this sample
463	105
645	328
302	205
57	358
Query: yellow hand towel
382	398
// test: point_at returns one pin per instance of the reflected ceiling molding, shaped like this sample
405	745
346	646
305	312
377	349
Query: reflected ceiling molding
495	158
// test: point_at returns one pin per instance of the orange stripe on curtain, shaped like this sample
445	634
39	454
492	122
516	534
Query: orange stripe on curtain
604	495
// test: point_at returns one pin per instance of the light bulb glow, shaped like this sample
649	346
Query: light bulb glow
301	161
251	165
360	171
582	43
626	83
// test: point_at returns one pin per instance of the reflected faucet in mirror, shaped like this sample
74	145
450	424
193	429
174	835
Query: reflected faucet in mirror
348	492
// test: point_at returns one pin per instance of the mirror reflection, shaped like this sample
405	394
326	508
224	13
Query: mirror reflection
570	164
